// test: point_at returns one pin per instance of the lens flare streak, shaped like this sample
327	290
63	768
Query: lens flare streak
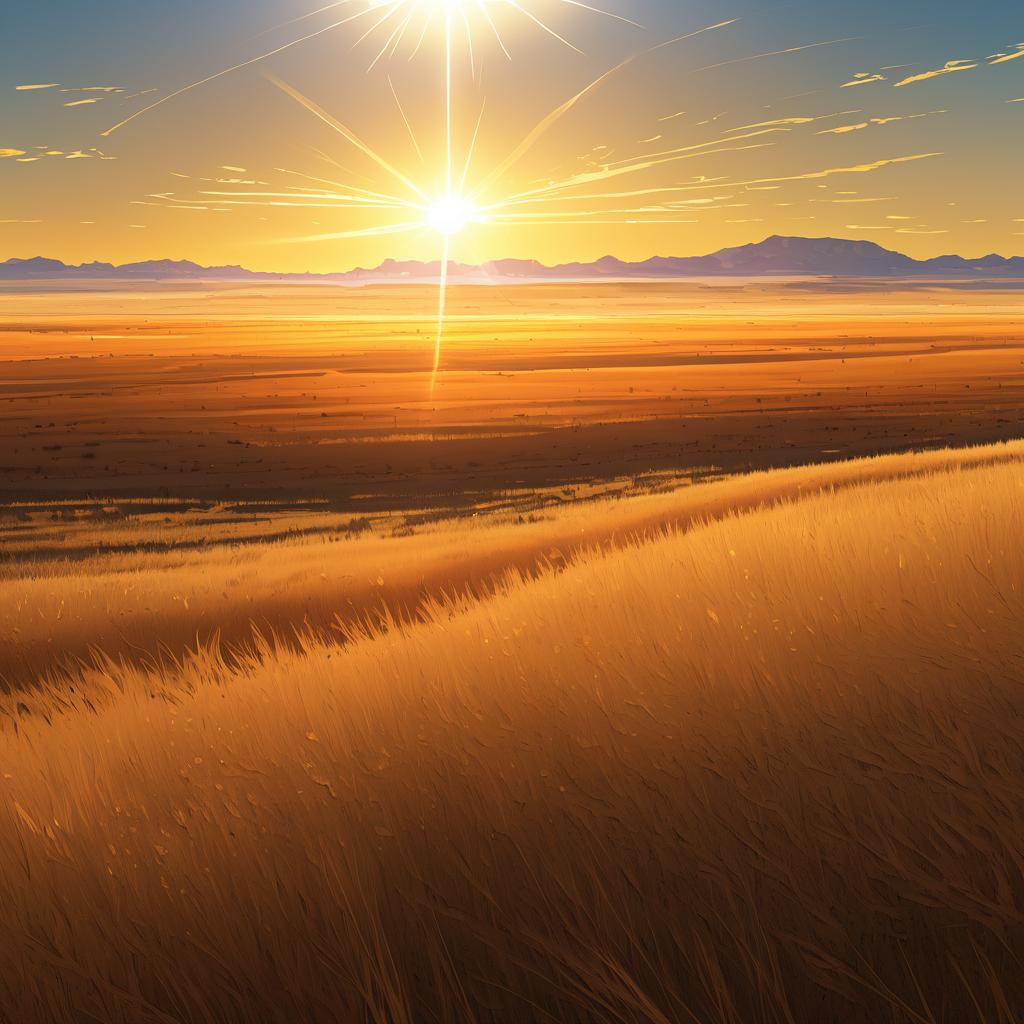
455	207
451	212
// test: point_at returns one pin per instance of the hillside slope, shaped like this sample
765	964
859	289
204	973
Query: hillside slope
149	586
766	771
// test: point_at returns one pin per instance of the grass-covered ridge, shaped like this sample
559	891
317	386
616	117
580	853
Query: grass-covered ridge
765	770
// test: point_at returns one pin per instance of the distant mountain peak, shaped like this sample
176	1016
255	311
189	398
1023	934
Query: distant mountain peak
775	256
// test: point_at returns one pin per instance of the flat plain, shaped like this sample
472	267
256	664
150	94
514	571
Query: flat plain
289	392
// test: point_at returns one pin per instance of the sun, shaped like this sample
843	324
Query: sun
451	214
427	5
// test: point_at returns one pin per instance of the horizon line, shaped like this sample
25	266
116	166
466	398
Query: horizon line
542	266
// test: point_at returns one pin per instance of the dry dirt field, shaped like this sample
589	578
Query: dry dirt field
290	392
750	752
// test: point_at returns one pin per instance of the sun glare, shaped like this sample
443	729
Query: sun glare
394	25
429	5
451	214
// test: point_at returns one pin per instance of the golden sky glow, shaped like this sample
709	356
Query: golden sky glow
322	137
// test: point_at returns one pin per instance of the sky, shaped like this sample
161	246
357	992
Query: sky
901	122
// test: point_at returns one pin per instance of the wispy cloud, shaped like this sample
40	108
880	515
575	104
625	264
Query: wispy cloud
951	67
788	123
878	122
779	122
864	78
867	168
98	93
846	202
23	156
1015	54
843	129
110	89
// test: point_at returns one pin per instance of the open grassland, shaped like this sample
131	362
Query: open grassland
764	770
288	392
146	581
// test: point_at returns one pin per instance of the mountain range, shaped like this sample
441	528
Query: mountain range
777	256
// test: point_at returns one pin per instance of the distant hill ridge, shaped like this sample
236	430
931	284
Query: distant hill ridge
777	256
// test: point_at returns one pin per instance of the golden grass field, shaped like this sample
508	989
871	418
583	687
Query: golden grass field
144	581
663	665
748	751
